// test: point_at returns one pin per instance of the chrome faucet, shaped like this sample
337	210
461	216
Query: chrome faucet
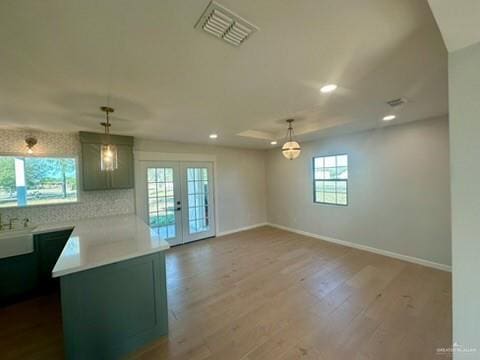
10	223
2	225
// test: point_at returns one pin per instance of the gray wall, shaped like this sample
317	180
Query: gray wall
240	181
464	103
399	195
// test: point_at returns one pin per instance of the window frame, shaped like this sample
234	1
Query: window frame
50	156
344	180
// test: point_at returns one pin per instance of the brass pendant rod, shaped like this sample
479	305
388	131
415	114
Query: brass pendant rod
107	110
290	129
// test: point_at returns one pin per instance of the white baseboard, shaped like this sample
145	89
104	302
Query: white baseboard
228	232
391	254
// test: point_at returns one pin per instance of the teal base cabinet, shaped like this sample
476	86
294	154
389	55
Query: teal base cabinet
112	310
48	248
24	276
18	278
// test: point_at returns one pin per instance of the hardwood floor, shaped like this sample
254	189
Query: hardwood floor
32	329
271	294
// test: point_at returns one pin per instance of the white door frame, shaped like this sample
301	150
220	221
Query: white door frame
139	156
176	179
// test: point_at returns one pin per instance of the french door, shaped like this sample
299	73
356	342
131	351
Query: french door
178	200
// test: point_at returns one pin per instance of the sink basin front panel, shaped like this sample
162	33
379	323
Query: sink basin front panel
16	244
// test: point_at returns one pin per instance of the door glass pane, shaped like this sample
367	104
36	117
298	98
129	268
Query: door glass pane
161	202
197	187
170	203
169	175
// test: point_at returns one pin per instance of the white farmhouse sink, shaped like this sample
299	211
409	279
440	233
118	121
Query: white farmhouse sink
16	241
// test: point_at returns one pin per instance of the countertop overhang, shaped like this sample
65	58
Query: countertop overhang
102	241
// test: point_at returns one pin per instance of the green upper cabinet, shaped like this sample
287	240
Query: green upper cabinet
122	178
95	179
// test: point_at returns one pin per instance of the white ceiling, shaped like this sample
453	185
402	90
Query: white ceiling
459	21
61	60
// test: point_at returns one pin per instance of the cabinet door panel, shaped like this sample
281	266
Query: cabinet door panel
122	178
18	277
93	177
49	247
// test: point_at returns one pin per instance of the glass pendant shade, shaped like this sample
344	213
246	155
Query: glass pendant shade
108	158
291	150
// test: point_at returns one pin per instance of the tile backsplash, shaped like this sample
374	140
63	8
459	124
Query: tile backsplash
91	204
49	143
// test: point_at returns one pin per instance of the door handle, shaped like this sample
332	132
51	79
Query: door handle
178	208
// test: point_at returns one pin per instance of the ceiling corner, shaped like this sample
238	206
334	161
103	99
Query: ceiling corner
458	22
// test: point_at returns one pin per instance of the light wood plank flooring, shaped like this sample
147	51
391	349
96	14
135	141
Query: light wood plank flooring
271	294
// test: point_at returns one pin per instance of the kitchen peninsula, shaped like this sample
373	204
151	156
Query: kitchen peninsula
113	286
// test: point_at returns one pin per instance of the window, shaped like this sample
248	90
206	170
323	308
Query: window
330	179
28	181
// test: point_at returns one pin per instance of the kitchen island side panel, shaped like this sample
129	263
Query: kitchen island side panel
112	310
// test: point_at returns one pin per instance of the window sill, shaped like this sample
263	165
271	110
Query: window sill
39	205
329	204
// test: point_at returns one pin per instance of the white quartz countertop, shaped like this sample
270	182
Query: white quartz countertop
102	241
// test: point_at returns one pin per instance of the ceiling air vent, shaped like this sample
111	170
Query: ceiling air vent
397	102
224	24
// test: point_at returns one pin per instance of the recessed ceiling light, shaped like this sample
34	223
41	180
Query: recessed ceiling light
328	88
273	142
389	117
213	136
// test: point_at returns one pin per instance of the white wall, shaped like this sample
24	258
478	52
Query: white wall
399	197
91	203
464	103
240	181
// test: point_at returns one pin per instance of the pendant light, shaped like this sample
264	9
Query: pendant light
31	141
291	149
108	152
